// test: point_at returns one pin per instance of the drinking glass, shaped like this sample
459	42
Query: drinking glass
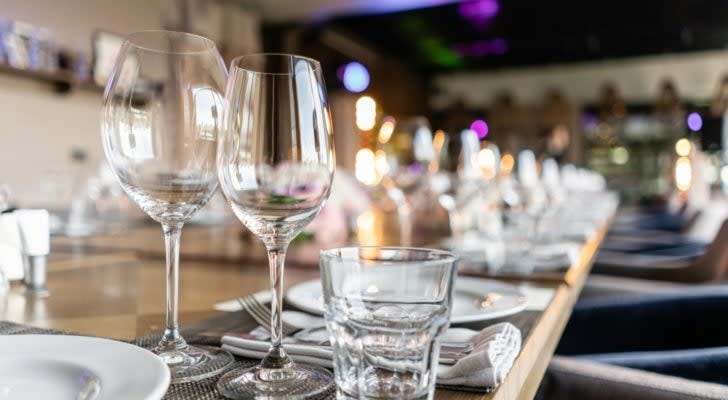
385	309
276	165
162	110
519	237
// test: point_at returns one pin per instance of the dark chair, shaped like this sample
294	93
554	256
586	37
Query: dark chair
569	378
681	265
655	219
681	334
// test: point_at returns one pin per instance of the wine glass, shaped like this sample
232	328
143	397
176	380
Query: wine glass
162	110
276	163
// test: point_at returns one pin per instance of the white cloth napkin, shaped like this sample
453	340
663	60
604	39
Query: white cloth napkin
11	247
489	363
497	347
554	256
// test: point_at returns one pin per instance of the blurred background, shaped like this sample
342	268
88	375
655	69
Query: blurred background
636	91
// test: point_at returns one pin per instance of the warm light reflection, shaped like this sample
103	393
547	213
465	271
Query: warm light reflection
439	140
367	229
507	163
386	130
366	113
381	163
683	147
487	163
364	168
683	173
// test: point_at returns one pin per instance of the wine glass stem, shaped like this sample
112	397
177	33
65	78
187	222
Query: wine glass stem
172	339
277	357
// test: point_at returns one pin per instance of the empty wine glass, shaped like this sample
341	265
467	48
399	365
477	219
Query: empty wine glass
162	110
276	165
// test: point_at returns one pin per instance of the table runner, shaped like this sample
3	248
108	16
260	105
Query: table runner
209	332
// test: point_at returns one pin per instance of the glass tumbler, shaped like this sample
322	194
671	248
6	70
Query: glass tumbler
385	309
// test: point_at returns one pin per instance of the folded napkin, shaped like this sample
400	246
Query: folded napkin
489	363
485	367
579	230
554	256
11	247
478	248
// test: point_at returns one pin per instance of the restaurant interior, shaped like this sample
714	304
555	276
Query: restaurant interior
363	199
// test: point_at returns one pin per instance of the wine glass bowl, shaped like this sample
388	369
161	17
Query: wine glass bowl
162	109
275	164
284	200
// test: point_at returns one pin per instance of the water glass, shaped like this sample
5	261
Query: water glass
385	309
519	235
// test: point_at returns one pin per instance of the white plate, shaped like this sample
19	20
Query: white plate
54	367
475	299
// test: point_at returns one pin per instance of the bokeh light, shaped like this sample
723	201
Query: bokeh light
386	130
366	113
507	163
488	163
619	155
479	8
683	147
355	77
480	127
683	174
382	163
695	121
365	167
724	174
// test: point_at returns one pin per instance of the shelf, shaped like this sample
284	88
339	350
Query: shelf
63	81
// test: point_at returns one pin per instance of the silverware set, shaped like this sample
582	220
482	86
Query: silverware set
450	352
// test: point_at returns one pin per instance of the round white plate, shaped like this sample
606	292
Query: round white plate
54	367
475	299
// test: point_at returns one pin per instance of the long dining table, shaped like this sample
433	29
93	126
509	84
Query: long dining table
112	285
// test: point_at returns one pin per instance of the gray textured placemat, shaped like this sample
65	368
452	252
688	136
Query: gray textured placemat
208	332
195	334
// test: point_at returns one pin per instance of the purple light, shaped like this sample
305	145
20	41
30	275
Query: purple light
414	169
480	127
695	121
355	77
481	48
479	12
479	9
498	46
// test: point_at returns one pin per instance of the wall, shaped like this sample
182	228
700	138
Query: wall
696	76
38	129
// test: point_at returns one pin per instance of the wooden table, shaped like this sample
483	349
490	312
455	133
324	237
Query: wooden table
113	286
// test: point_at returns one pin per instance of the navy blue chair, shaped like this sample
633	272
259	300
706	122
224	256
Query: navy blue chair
681	334
688	262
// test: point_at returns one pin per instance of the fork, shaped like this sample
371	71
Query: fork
262	314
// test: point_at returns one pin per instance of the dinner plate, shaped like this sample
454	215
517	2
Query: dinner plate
475	299
55	367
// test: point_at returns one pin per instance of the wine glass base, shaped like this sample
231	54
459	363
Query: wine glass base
195	363
305	382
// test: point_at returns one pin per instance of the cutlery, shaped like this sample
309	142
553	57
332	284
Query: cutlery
262	314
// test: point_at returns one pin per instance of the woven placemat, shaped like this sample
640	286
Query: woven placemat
209	331
195	334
